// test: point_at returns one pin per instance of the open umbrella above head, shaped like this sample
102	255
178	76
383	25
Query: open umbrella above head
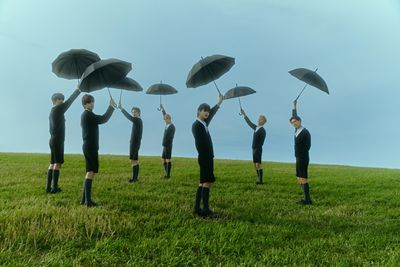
208	70
161	89
104	73
310	78
72	63
127	84
238	92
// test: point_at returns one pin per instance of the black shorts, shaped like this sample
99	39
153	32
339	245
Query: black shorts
92	160
302	167
134	152
56	151
206	170
167	152
257	155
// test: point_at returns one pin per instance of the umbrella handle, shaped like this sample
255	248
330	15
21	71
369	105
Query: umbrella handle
240	104
159	109
109	93
120	96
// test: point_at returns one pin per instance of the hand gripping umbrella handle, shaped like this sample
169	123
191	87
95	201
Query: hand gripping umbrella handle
304	87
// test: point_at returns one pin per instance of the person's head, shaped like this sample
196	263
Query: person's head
167	118
203	111
57	99
295	121
135	112
262	120
88	102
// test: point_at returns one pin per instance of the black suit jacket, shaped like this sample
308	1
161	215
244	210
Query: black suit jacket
259	136
302	143
90	127
57	118
168	136
137	128
202	137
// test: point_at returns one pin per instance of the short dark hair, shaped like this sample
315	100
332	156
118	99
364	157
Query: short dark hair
136	108
86	99
203	106
57	96
295	118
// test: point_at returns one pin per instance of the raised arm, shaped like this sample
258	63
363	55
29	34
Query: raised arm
67	103
248	121
214	109
294	110
100	119
126	114
162	109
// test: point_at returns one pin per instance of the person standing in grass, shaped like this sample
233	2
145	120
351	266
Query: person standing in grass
302	145
205	151
168	139
57	138
258	142
90	135
136	138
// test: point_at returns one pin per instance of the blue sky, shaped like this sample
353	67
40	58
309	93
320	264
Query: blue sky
354	45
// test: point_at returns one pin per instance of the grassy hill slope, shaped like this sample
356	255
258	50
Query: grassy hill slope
354	221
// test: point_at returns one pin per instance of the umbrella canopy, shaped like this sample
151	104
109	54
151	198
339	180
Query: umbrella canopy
161	89
128	84
238	91
310	77
72	63
209	69
103	73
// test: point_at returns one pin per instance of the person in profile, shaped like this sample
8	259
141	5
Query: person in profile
258	142
302	145
205	158
168	139
90	135
57	138
136	138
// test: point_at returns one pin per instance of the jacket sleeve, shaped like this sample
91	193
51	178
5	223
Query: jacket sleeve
307	141
100	119
127	115
248	121
294	112
212	113
65	106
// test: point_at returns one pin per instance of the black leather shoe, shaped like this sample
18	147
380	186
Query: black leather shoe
303	202
55	190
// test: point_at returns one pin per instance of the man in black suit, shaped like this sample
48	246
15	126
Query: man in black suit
205	158
258	142
136	138
168	138
57	138
90	135
302	144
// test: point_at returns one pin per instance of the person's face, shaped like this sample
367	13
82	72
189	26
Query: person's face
135	113
203	114
261	121
89	106
296	123
59	101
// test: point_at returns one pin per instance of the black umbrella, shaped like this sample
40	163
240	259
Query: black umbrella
209	69
128	84
72	63
309	77
239	91
161	89
104	73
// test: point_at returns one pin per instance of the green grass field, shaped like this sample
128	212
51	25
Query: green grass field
354	220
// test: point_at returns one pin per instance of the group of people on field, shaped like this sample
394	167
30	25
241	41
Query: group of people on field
201	134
